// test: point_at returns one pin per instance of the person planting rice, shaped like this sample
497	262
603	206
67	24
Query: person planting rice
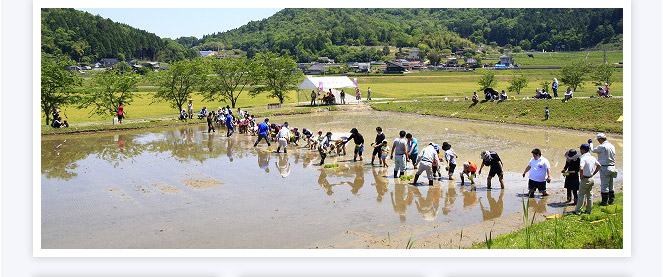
323	146
359	143
307	136
606	157
469	169
570	171
315	141
589	166
283	136
400	147
263	131
295	135
384	152
449	156
436	163
492	159
412	149
425	161
377	144
539	173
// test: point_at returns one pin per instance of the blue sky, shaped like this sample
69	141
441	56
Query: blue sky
179	22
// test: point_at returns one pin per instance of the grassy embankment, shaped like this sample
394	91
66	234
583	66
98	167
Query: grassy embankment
603	229
584	114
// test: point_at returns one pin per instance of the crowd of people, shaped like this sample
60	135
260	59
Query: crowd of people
319	98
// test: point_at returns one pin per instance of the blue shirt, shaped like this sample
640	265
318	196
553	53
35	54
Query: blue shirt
413	144
229	121
263	128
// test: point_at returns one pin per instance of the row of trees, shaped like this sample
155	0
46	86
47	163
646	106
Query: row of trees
573	75
216	80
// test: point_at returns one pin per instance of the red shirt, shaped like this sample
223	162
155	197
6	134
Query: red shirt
120	110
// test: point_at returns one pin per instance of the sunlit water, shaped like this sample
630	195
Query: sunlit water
184	188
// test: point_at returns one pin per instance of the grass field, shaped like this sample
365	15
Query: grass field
559	58
603	229
586	114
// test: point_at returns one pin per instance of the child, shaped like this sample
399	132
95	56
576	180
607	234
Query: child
570	171
547	113
436	163
210	123
450	156
384	152
469	169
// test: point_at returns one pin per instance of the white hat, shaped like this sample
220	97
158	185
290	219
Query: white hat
601	136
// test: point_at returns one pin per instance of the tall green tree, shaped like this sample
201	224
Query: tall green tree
487	80
575	74
518	83
434	57
110	88
277	75
603	73
229	78
177	84
57	84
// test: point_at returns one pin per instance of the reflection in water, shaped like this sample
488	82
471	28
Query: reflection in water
538	204
428	206
450	199
283	165
263	160
469	197
359	178
381	184
229	149
401	198
496	206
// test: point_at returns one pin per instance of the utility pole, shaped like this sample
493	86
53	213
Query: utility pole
605	57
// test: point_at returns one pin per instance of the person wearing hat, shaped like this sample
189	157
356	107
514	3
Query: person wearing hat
469	169
190	108
570	171
490	158
359	143
589	166
606	156
425	161
555	84
323	147
283	135
263	131
539	173
449	156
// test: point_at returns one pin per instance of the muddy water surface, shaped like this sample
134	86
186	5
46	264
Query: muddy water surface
184	188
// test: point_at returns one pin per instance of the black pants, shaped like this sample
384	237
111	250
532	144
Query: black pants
231	130
260	137
555	92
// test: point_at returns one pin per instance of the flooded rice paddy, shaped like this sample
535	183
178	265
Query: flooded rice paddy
184	188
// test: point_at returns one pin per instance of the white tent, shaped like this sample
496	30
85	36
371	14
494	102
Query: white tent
335	83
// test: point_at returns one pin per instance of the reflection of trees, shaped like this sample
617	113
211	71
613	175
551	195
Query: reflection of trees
59	157
496	206
381	184
428	207
401	198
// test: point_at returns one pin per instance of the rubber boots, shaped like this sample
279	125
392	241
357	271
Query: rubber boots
604	199
611	197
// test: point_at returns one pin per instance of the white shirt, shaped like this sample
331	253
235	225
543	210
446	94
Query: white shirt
588	164
450	156
428	154
538	169
284	132
400	145
569	93
606	153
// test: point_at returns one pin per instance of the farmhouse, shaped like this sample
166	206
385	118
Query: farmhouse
316	69
394	68
506	60
109	61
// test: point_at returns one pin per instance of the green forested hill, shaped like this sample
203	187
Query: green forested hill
307	33
85	37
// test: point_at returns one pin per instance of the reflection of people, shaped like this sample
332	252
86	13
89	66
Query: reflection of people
120	143
428	207
400	199
210	140
381	184
496	206
229	149
283	166
322	181
538	205
263	161
450	199
359	179
469	197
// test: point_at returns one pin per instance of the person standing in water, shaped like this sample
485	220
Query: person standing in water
323	147
400	147
210	123
359	143
450	157
572	179
425	163
377	144
606	157
412	149
263	132
229	124
539	173
589	166
492	159
283	136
